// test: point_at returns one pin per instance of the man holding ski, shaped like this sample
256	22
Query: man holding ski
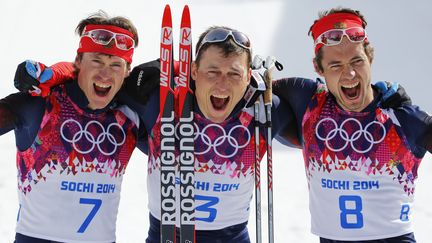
224	139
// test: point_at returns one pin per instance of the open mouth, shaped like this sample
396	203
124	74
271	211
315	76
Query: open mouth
101	89
219	102
351	91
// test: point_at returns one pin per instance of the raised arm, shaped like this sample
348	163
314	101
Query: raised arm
38	79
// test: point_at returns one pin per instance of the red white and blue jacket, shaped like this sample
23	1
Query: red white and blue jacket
361	166
224	161
70	163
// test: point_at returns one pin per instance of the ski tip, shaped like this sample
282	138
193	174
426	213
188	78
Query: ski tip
166	20
167	10
186	8
186	16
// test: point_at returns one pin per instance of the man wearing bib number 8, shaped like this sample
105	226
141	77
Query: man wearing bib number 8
75	144
361	160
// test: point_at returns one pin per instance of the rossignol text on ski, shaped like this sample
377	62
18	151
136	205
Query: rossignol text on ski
177	130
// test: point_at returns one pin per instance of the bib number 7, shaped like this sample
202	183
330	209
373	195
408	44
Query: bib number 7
96	205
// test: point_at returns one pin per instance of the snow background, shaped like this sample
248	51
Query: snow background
400	31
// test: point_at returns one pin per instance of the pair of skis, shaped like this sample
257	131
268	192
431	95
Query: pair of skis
177	130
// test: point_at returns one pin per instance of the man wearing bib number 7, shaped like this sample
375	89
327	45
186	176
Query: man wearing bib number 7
361	160
75	144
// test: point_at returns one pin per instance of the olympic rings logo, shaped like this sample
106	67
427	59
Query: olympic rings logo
102	138
223	138
359	133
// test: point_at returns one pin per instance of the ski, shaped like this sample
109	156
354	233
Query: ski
186	132
167	132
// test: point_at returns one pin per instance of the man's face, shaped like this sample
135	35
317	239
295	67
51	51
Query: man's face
100	77
220	82
347	72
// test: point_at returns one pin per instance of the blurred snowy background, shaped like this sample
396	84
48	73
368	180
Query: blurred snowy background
400	31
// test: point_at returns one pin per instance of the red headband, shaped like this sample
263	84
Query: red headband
334	21
87	44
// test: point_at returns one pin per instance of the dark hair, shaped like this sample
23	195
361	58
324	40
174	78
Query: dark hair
228	46
369	50
102	18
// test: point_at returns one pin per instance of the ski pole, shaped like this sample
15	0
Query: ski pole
269	65
257	173
268	106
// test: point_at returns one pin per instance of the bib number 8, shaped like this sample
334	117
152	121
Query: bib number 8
404	213
351	216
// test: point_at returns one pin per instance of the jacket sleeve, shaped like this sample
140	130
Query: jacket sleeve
62	72
22	113
426	139
8	119
295	95
417	126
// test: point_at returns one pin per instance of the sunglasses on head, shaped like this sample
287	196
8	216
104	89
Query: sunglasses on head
104	37
221	34
334	36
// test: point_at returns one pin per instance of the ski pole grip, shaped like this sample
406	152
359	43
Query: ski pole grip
268	91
